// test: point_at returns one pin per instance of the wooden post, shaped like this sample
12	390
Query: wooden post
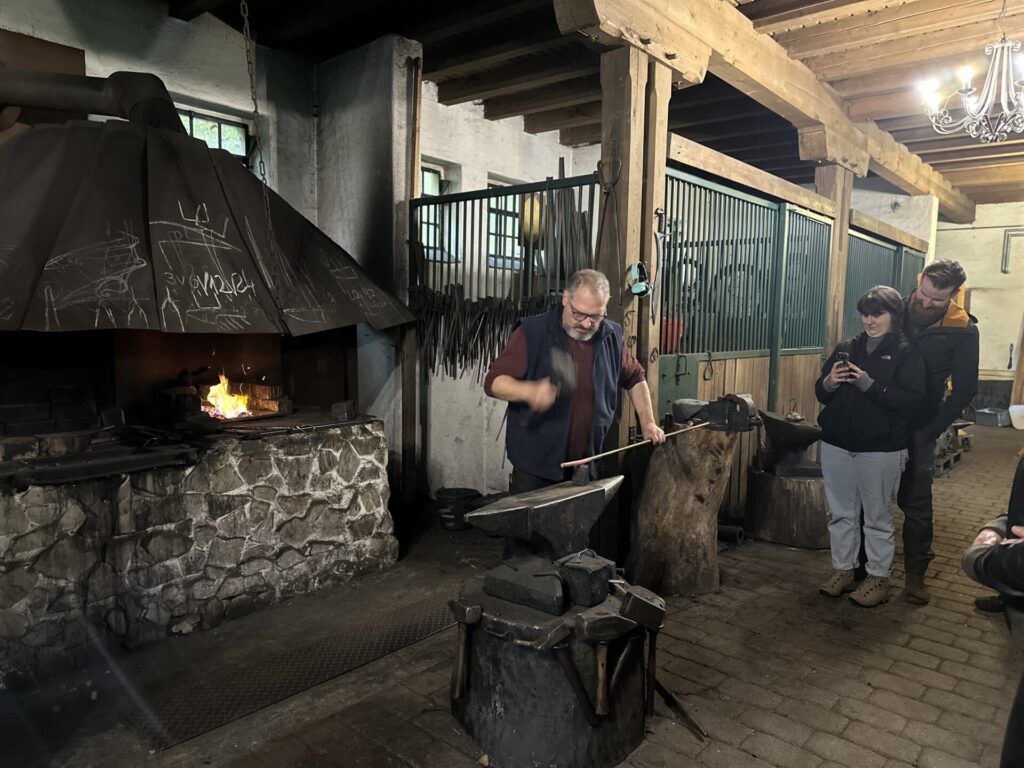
659	92
836	183
623	81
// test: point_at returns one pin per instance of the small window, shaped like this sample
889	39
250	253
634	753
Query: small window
503	248
232	137
433	217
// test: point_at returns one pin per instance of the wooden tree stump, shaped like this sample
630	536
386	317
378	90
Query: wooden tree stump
675	531
787	510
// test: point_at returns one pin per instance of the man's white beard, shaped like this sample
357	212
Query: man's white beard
580	335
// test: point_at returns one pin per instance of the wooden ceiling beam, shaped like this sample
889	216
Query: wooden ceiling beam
968	39
457	63
517	77
915	137
640	24
906	123
991	177
756	65
1006	196
997	189
557	96
976	163
482	14
904	78
887	106
965	146
772	16
584	134
696	155
888	24
567	117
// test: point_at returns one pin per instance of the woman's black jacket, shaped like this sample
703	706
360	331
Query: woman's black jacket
880	419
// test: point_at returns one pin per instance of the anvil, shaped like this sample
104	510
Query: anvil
553	521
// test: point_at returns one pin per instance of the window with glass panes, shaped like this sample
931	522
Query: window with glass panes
503	248
218	133
430	224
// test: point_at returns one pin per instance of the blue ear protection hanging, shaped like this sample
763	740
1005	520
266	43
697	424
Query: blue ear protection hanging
639	280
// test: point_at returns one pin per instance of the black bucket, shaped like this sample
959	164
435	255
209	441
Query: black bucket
452	506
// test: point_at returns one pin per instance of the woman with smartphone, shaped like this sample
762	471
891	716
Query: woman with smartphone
870	387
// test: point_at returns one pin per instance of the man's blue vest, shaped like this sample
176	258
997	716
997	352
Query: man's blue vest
536	442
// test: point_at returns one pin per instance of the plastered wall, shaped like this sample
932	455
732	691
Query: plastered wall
997	299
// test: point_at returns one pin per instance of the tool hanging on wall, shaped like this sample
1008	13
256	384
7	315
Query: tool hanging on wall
659	249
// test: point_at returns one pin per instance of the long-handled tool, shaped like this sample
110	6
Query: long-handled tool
588	459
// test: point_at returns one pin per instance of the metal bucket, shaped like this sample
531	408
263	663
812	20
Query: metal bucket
452	506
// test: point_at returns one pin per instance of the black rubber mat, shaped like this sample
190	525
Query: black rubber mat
182	710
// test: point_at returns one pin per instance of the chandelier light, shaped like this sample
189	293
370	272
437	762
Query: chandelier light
992	113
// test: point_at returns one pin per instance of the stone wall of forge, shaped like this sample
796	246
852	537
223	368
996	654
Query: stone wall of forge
166	551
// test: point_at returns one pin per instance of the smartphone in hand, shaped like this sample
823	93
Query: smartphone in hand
843	358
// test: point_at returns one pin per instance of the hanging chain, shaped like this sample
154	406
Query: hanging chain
250	63
999	21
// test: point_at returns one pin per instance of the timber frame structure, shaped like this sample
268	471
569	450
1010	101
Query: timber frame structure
768	94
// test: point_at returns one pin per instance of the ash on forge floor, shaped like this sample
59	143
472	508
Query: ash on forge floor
779	675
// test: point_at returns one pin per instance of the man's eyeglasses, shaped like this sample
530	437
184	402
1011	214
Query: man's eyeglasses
579	317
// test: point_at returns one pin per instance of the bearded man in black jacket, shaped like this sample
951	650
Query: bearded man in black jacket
947	338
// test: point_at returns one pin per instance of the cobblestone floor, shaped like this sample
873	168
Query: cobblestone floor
778	675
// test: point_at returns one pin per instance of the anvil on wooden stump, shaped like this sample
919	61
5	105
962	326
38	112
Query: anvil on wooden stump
550	664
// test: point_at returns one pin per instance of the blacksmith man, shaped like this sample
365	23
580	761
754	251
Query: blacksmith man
548	425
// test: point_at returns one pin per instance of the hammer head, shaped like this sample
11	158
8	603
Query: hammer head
644	607
563	370
601	624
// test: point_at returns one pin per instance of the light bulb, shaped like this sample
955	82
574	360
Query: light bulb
928	87
965	74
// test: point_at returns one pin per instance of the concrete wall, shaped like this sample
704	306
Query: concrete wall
917	215
459	136
997	299
364	136
466	440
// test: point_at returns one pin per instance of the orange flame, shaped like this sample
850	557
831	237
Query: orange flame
224	405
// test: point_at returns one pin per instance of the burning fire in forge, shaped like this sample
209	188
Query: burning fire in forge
221	404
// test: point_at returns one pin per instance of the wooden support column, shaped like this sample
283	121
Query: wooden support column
659	92
623	87
836	183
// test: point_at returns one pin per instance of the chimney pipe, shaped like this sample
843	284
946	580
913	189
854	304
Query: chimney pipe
138	97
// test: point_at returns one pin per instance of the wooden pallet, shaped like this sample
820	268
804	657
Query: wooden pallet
947	462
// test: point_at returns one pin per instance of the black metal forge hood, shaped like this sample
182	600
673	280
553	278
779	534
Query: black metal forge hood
135	225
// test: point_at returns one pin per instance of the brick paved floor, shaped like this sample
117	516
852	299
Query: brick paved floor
779	675
782	676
